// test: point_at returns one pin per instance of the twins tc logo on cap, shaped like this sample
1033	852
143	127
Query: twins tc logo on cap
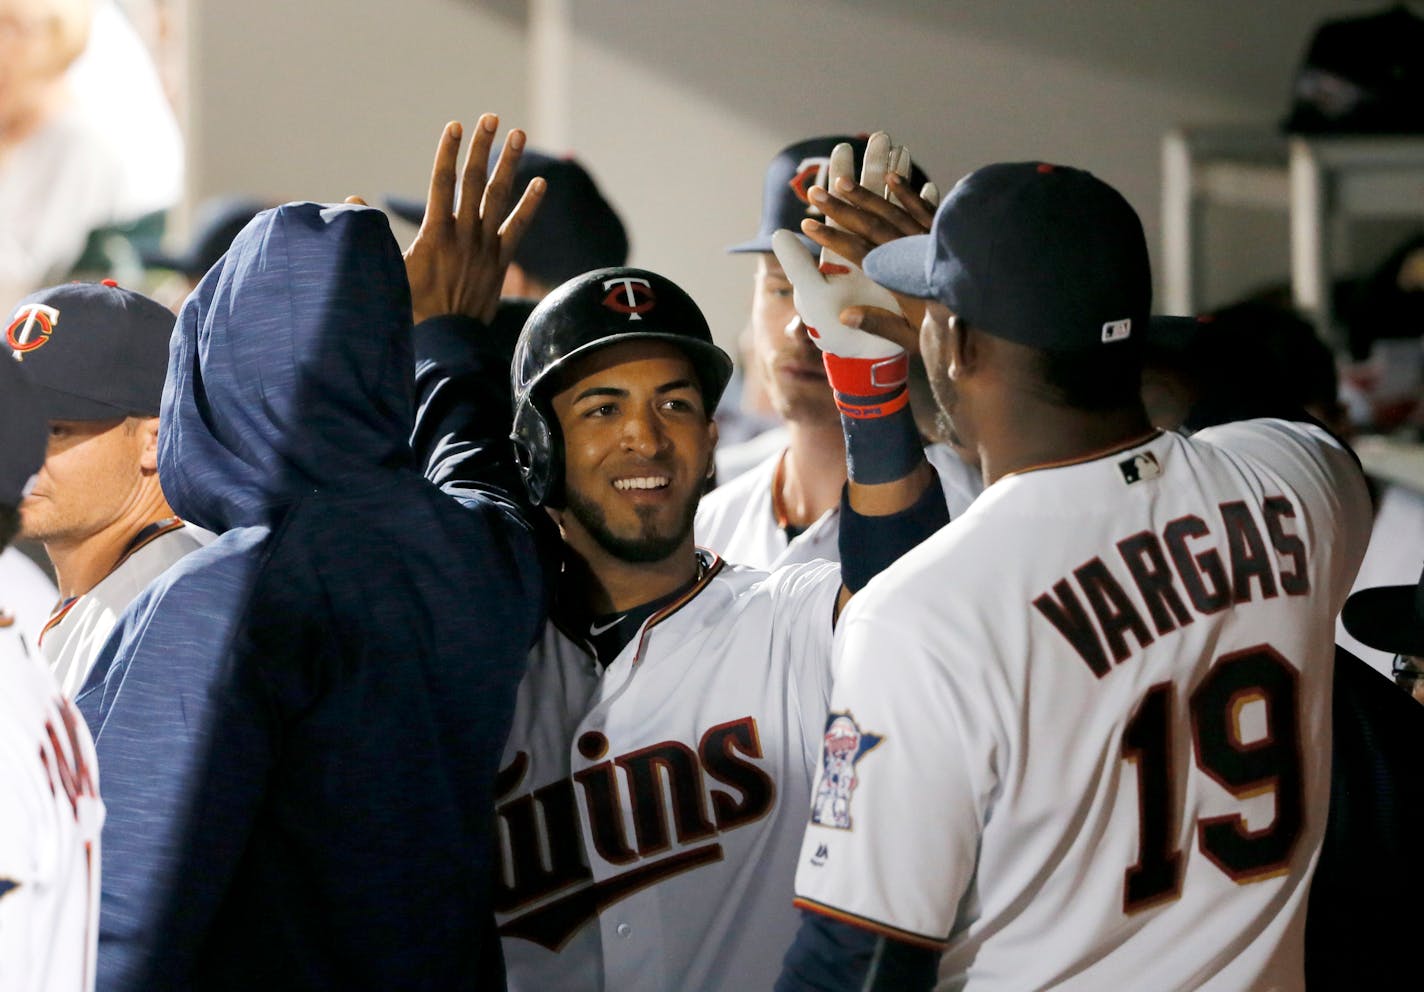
30	328
809	172
632	296
844	745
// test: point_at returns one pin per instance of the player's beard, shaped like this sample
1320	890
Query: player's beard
946	397
649	545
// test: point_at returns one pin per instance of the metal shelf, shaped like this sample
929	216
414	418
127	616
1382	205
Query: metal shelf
1323	183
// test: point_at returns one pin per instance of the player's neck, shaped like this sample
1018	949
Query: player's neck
80	565
596	582
1024	436
812	474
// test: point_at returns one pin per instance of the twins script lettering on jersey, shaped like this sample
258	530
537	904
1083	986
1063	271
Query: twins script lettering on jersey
1197	574
542	851
65	766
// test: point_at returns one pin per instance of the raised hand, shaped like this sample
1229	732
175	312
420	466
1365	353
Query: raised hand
822	292
880	208
456	263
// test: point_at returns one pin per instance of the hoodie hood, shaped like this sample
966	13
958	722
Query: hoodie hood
290	369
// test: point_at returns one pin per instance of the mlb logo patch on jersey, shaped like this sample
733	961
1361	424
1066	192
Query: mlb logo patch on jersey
1141	467
844	745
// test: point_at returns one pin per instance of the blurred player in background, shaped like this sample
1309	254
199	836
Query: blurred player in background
50	812
99	352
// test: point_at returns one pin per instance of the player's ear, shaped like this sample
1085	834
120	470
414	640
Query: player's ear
961	350
147	428
713	436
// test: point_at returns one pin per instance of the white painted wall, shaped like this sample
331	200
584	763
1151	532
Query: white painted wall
678	105
318	99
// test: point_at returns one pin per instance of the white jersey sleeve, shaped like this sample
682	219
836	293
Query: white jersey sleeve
49	835
891	715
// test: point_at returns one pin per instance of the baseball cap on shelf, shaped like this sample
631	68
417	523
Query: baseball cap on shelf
791	175
1361	75
1388	618
1044	255
97	351
23	431
215	223
575	230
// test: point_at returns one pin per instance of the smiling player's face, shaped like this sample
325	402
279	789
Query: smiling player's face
638	447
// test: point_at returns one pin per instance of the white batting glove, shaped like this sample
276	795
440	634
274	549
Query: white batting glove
822	292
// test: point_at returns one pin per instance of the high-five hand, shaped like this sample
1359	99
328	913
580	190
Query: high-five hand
456	263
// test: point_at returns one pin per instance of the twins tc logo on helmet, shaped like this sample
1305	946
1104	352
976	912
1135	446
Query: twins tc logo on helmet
844	745
809	172
632	296
30	328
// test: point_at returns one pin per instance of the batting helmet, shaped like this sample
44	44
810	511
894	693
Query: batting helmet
595	310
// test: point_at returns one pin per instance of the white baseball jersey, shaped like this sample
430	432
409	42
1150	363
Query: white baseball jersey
26	597
738	520
50	820
78	629
650	815
1080	738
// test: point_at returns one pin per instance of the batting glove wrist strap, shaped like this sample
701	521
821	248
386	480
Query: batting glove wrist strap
866	381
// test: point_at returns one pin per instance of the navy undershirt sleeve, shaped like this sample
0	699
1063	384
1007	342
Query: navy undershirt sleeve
831	956
869	544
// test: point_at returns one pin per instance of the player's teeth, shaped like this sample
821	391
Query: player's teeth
648	482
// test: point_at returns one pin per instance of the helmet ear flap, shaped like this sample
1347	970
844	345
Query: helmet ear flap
539	455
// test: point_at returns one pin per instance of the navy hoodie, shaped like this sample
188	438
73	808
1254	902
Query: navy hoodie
299	725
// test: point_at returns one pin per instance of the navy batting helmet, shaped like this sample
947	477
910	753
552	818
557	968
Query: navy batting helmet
595	310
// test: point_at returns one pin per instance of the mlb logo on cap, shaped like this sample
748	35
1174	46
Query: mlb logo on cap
1117	330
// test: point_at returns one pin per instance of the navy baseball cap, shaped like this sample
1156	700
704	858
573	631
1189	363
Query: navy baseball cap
790	177
215	223
1044	255
97	351
575	230
1388	618
23	431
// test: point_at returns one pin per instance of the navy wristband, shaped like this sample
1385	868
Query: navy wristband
882	442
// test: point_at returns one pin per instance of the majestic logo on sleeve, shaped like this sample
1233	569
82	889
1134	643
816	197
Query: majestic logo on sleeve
651	814
30	328
809	172
844	745
631	296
